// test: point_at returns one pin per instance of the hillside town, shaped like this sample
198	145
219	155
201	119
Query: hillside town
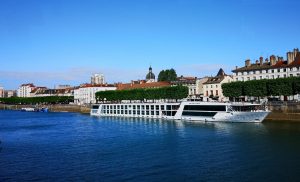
208	87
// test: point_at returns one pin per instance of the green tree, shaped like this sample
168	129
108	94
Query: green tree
256	88
177	92
167	75
233	89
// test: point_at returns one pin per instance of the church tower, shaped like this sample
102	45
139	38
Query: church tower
150	77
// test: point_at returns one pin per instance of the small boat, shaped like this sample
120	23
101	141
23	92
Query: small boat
28	109
43	109
31	109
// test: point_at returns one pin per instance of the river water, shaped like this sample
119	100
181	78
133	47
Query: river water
75	147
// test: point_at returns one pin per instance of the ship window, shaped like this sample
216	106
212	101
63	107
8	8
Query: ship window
152	113
122	107
125	111
152	107
147	112
122	112
138	112
143	107
147	107
210	114
168	107
96	107
125	106
204	108
133	112
133	107
157	113
138	107
175	107
157	107
118	111
162	107
143	112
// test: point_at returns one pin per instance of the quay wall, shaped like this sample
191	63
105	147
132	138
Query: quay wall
52	108
284	111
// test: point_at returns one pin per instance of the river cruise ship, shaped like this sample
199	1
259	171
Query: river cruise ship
185	110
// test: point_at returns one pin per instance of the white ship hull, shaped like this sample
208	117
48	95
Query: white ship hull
189	111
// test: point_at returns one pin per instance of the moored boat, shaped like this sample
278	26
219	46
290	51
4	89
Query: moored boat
31	109
185	110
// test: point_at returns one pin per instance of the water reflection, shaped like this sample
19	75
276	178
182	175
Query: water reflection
156	126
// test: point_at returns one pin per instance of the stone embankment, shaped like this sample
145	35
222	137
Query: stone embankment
284	111
52	108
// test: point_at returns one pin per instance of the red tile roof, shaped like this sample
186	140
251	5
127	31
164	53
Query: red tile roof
28	84
127	86
96	85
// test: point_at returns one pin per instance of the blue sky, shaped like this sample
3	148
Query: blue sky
51	42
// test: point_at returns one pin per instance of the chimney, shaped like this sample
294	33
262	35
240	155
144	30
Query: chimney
272	60
290	57
256	62
261	59
296	50
247	63
236	67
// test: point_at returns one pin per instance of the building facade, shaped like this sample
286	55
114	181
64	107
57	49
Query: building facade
86	94
45	92
97	79
200	86
275	67
25	89
212	88
190	82
10	93
1	92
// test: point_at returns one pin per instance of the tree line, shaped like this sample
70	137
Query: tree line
262	88
176	92
38	100
167	75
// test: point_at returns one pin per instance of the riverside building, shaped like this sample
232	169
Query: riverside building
1	92
213	86
275	67
10	93
190	82
97	79
25	90
86	93
272	68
